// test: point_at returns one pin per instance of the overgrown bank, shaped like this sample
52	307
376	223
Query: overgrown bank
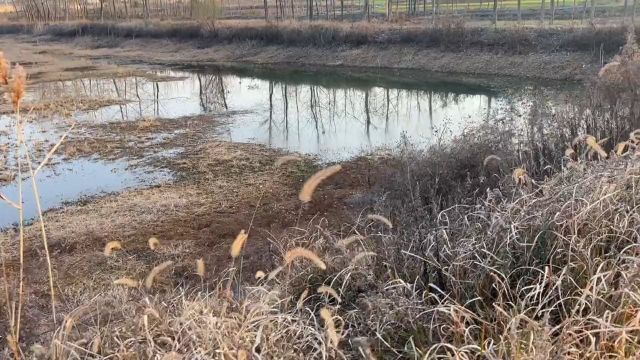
554	53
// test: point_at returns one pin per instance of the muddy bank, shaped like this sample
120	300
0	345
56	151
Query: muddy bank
379	58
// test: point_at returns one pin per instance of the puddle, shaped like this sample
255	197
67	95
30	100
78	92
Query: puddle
329	115
75	180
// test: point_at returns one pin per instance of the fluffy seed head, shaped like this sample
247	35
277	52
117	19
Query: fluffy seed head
327	290
304	253
260	274
595	146
153	243
17	85
330	326
128	282
111	246
361	256
238	243
4	70
380	218
520	176
302	298
148	282
350	240
200	267
571	154
491	160
285	159
272	275
310	185
621	148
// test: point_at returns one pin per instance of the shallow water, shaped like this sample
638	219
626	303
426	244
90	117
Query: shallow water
72	181
329	115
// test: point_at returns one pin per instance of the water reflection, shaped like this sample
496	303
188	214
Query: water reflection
330	116
73	180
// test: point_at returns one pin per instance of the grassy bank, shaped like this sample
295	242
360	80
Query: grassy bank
447	35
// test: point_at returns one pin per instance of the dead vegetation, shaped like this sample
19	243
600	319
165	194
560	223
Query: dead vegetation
449	34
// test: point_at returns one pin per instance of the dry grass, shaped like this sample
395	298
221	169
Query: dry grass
450	35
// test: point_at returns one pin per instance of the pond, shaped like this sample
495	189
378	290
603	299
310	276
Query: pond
332	115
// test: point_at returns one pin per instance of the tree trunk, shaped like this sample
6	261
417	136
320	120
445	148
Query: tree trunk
495	12
633	12
310	8
593	10
388	3
342	10
553	11
519	11
266	11
433	11
542	12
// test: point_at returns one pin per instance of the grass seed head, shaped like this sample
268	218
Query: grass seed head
17	86
200	269
285	159
128	282
111	247
272	275
350	240
310	185
571	154
330	326
260	274
327	290
238	244
520	176
594	145
304	253
148	282
153	243
4	70
302	298
361	256
381	219
491	160
621	148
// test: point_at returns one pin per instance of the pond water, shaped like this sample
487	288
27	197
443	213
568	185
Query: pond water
331	115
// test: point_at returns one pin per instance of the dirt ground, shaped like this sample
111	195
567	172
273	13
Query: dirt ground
220	188
79	55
